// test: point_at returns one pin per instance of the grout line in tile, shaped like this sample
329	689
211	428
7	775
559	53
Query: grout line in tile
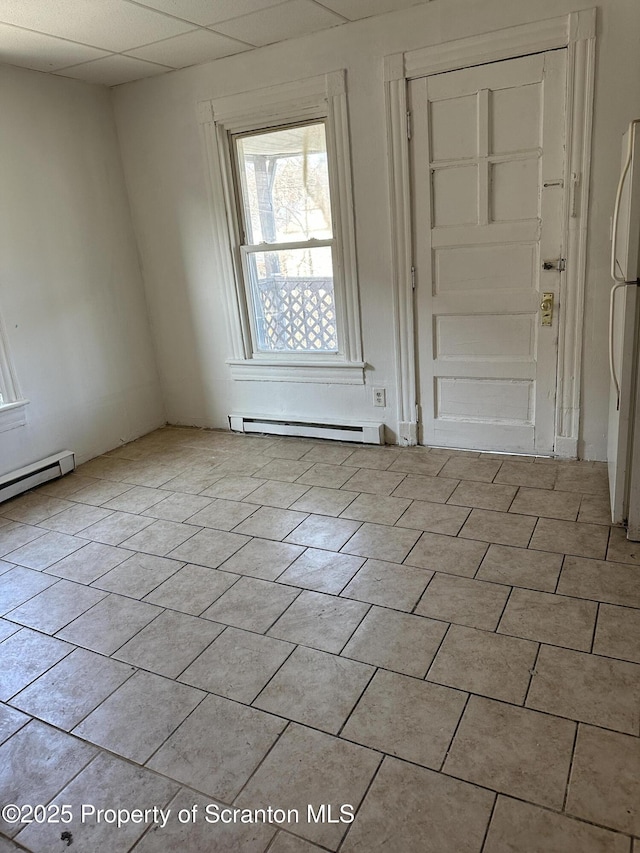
29	683
433	659
570	770
504	607
532	674
272	841
286	569
360	804
53	634
486	831
342	588
250	704
79	615
134	671
533	530
606	550
515	495
502	701
48	571
157	616
595	628
75	775
293	600
484	557
555	589
133	597
357	702
199	615
550	810
7	613
360	621
424	591
289	724
193	660
495	791
455	731
174	730
598	726
334	595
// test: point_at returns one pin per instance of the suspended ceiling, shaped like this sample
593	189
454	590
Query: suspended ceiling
117	41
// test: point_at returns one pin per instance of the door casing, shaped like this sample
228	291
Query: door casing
577	32
486	365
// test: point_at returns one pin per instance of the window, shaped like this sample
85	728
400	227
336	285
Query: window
12	403
281	158
285	204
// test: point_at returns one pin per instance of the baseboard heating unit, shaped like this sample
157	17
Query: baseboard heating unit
38	472
365	433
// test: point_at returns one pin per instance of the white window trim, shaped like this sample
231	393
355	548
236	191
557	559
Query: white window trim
322	97
13	410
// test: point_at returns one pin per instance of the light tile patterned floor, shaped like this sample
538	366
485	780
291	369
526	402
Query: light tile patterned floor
448	643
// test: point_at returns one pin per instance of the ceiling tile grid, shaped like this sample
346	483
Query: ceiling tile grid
208	13
189	49
41	52
290	19
116	41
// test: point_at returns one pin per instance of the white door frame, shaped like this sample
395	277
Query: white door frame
577	32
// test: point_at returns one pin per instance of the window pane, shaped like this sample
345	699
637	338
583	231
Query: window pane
285	185
293	300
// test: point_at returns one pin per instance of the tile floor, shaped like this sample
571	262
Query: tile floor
446	643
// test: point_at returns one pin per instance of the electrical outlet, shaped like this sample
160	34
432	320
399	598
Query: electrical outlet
379	397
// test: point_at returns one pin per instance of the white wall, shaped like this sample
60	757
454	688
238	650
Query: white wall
166	178
71	291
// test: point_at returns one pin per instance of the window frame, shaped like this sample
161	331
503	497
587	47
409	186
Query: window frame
13	404
246	248
317	99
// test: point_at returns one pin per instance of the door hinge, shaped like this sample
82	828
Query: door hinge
413	278
408	124
575	194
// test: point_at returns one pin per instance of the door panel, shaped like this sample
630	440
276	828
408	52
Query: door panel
510	266
506	337
478	399
487	161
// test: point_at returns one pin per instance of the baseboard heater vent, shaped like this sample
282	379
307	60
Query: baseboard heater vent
366	433
33	475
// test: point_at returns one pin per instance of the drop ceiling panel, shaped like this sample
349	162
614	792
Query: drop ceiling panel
113	70
355	9
288	20
109	24
39	52
189	49
79	38
207	12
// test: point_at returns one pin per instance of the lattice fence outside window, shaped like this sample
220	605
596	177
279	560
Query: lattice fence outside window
296	314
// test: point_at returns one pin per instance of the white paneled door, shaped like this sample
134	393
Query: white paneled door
488	175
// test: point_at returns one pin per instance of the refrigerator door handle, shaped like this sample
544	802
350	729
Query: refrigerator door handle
618	279
612	366
616	209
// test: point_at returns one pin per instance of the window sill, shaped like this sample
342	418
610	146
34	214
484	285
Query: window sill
274	370
13	415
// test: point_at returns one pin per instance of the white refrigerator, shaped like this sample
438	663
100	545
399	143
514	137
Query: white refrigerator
624	347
